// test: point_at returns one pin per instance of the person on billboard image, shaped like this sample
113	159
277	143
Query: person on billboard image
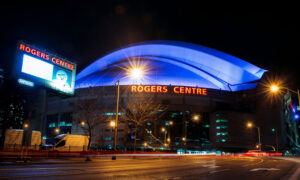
61	80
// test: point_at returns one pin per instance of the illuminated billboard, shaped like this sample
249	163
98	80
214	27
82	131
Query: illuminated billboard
35	66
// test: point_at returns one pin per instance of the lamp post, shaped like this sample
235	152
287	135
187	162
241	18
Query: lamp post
117	115
136	73
250	125
165	133
276	138
184	143
169	134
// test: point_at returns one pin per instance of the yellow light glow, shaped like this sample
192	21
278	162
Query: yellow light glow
163	129
112	124
145	144
56	130
196	117
136	73
183	139
168	139
274	88
171	122
82	123
136	70
26	125
249	124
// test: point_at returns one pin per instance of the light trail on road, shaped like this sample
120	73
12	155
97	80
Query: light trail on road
158	168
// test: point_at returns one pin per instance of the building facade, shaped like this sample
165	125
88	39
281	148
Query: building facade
189	80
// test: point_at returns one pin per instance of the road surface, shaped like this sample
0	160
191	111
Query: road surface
156	168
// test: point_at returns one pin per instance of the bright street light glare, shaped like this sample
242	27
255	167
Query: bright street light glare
112	124
274	88
26	125
196	117
136	73
56	130
249	125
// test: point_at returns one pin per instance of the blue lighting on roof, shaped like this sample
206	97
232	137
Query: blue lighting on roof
172	63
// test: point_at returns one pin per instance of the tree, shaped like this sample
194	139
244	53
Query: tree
141	109
89	111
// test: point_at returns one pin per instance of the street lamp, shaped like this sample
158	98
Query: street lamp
275	89
112	124
25	126
135	73
250	125
165	132
56	130
184	143
82	123
276	138
196	117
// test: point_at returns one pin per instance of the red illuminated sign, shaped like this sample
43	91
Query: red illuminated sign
148	89
46	56
166	89
189	90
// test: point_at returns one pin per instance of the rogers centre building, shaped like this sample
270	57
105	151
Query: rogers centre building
189	79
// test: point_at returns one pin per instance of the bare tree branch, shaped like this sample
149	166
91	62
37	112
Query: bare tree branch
89	111
140	110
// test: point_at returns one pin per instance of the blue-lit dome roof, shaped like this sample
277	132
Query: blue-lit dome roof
172	63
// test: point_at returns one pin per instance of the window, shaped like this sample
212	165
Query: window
221	140
221	127
62	143
222	133
113	113
107	138
51	125
221	120
62	123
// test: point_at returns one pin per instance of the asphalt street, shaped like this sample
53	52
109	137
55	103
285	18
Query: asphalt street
157	168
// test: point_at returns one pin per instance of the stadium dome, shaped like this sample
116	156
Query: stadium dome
171	63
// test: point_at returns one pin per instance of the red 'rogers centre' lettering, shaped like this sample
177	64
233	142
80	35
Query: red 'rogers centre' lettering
23	47
45	56
189	90
164	89
149	89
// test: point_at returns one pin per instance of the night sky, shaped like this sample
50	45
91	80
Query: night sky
84	32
